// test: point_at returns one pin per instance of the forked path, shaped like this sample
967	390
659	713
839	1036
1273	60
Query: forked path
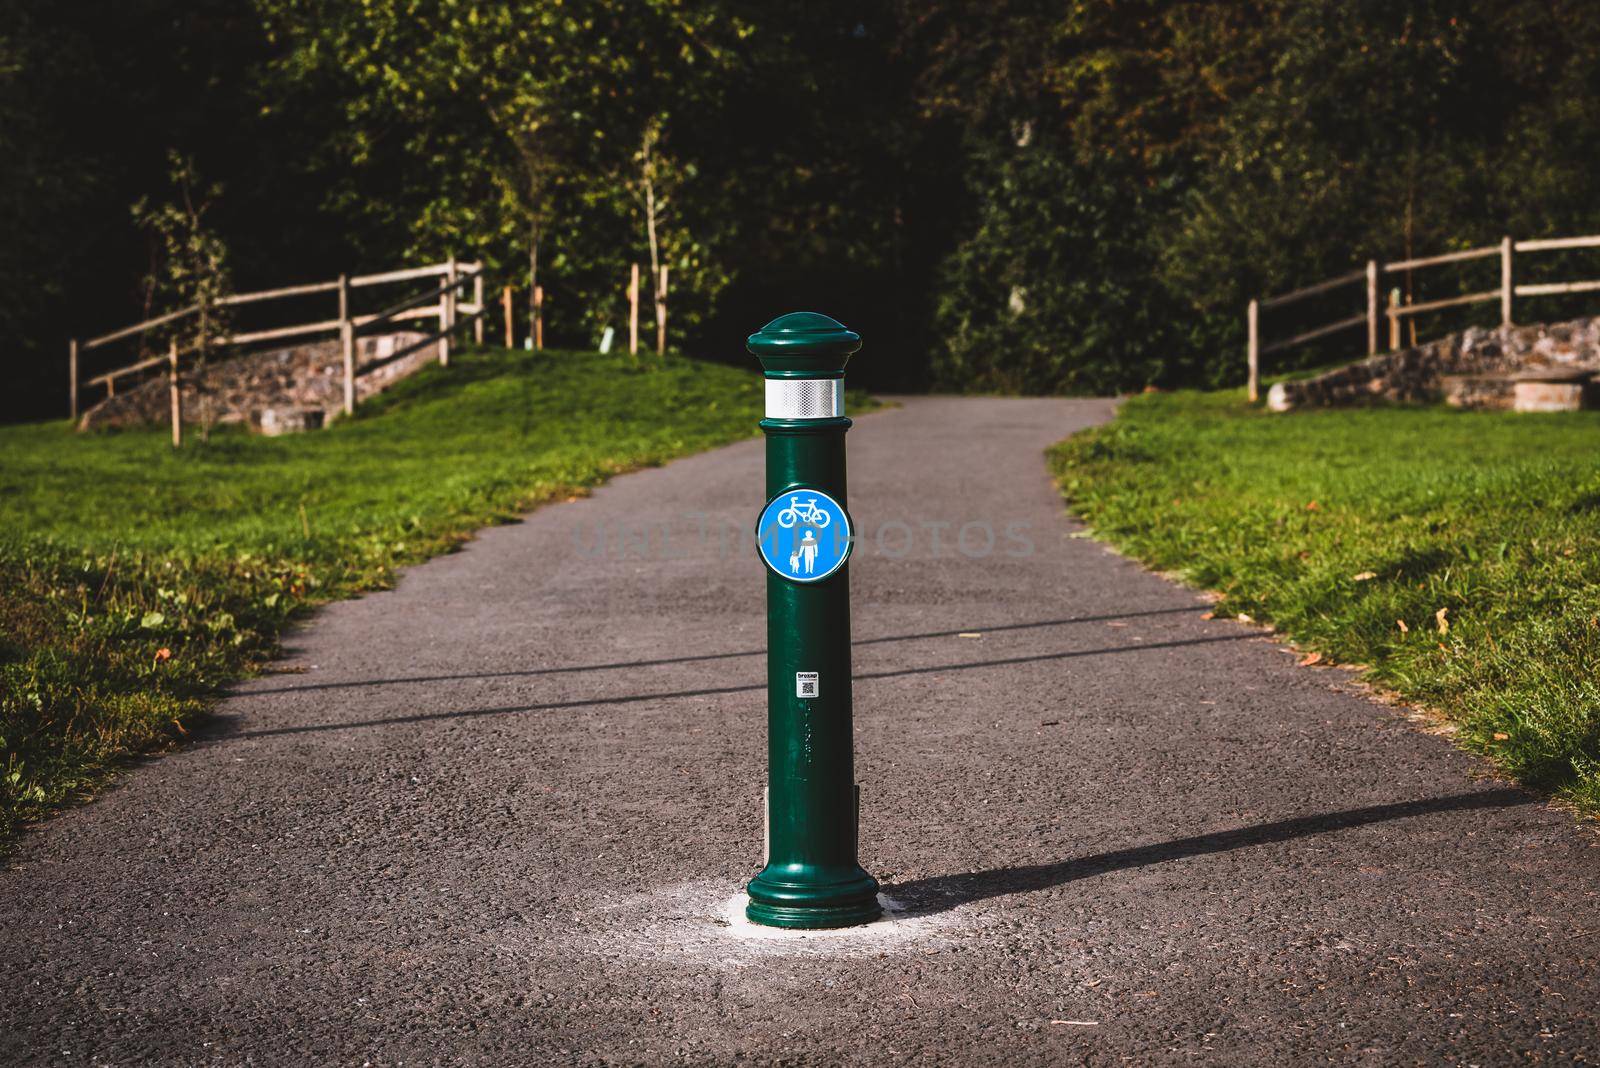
495	815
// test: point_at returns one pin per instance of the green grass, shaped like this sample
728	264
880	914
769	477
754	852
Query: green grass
135	581
1352	530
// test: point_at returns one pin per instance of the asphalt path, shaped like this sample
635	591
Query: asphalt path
499	815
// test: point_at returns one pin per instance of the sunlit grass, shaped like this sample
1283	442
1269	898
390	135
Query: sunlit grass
1456	554
135	580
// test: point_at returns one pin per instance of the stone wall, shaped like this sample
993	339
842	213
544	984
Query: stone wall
299	387
1470	369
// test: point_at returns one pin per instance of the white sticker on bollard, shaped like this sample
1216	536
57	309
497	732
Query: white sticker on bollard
805	683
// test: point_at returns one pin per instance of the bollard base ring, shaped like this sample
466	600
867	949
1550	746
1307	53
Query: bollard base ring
846	903
813	919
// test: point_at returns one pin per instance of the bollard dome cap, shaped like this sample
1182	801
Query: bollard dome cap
803	344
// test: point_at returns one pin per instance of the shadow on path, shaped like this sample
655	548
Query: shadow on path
624	699
944	892
578	668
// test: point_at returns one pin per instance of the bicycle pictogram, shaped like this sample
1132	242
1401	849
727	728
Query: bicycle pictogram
809	513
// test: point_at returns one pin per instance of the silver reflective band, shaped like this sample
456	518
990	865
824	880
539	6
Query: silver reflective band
805	398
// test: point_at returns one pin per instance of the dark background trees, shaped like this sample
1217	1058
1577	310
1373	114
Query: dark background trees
1002	195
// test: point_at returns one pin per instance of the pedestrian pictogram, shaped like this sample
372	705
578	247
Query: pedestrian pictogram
803	535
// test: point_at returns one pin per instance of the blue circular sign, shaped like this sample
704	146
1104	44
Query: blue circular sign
803	535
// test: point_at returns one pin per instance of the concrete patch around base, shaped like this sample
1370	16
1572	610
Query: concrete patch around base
698	921
895	922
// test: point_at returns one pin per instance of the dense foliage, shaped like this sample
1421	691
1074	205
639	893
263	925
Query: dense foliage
1002	195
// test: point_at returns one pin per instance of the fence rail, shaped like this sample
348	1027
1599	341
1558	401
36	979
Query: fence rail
1398	309
1312	290
441	303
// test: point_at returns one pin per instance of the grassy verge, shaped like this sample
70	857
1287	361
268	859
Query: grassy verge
1454	554
135	580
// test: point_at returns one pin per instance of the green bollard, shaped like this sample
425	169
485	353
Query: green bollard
811	878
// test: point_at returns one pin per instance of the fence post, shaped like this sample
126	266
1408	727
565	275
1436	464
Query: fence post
72	380
447	312
538	318
633	312
1394	319
347	345
173	394
477	301
1372	307
661	313
1507	290
1253	353
505	302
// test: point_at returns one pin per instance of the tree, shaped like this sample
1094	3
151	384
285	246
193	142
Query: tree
558	90
190	269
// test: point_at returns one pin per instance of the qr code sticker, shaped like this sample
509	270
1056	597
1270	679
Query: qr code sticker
805	683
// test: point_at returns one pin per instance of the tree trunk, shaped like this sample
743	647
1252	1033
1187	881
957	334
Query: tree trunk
647	174
650	226
202	357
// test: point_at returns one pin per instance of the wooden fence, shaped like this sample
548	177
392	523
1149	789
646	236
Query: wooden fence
441	302
1397	308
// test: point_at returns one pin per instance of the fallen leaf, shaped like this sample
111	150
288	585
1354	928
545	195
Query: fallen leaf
1444	624
1314	658
1364	576
1501	736
1244	618
163	654
1402	625
1209	615
1312	506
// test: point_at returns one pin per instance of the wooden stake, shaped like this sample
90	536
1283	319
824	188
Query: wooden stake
477	303
1507	290
633	312
1253	351
447	312
72	380
505	302
538	318
172	391
1394	319
661	312
1372	307
347	344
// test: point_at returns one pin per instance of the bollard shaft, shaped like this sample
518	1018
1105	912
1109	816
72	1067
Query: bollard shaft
811	877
